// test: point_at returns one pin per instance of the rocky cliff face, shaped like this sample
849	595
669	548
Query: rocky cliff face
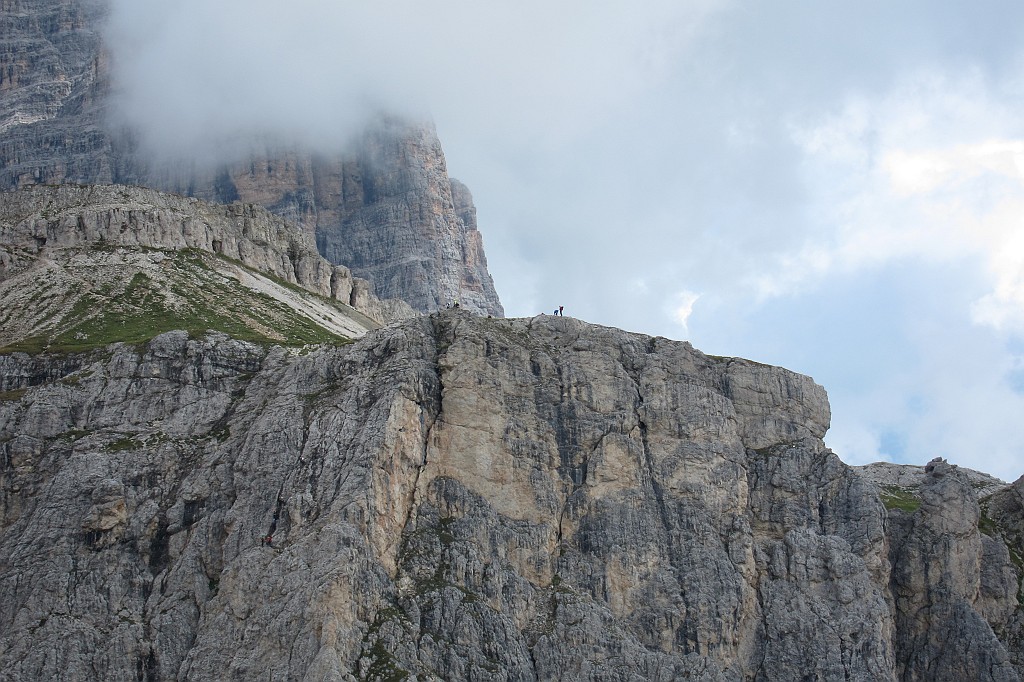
385	208
396	197
47	232
450	497
455	497
53	86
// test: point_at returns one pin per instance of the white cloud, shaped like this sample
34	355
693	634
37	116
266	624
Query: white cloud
638	286
914	175
790	272
1003	307
856	443
954	167
682	308
972	195
193	73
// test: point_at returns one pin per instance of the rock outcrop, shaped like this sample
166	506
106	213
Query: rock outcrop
384	208
47	218
937	555
911	477
1002	518
395	197
455	497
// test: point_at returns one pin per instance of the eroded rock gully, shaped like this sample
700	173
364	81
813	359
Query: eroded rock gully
454	497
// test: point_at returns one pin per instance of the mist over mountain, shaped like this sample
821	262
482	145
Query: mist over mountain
383	205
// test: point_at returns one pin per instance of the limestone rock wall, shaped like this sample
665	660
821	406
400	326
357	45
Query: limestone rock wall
53	85
37	218
386	208
937	556
457	497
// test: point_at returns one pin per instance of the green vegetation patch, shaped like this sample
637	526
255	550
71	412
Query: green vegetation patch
991	528
220	433
12	395
895	497
383	665
197	299
122	444
77	377
987	526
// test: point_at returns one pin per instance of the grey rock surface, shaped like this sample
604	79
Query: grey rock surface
53	86
38	220
1002	516
936	581
911	477
455	497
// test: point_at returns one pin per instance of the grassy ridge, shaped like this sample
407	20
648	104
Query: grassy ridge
185	293
895	497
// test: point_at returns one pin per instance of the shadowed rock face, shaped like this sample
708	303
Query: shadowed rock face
464	498
937	585
386	208
53	85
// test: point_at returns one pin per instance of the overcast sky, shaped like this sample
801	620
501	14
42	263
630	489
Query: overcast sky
834	187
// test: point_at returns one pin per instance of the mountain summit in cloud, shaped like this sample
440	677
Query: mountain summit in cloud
382	203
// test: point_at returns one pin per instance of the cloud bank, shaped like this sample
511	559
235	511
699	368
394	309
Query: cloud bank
190	72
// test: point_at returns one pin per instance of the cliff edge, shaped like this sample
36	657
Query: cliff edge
455	497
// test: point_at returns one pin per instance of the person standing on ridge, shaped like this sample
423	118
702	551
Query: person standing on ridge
560	308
